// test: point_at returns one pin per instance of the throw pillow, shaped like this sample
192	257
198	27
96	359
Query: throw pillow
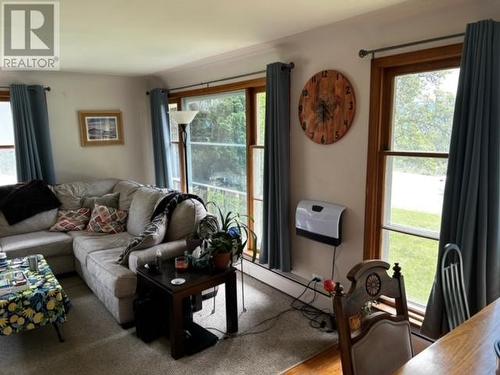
108	200
26	200
71	220
152	235
107	220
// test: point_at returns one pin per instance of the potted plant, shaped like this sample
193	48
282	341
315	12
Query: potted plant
224	238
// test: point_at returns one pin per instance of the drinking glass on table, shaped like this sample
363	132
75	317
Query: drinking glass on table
181	264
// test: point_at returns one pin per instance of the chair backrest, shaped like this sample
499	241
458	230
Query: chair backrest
372	343
452	283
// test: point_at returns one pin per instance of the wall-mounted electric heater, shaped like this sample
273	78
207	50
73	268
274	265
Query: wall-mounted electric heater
320	221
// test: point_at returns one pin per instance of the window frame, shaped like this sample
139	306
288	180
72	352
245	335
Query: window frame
383	72
251	87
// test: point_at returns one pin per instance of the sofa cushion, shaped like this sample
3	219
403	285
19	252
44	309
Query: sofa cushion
119	280
70	194
41	221
142	208
49	244
107	220
84	245
84	233
109	200
126	189
71	220
184	219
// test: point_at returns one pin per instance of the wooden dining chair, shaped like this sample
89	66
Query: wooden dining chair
453	287
372	343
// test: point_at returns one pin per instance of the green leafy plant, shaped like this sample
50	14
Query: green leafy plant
227	233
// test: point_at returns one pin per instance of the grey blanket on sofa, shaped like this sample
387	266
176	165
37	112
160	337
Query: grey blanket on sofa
168	204
159	223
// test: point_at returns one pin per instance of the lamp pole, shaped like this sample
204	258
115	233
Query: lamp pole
182	129
183	119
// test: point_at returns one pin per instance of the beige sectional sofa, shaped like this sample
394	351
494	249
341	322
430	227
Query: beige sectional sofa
93	255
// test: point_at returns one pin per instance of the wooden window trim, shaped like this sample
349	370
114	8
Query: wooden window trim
251	117
4	96
388	306
383	71
235	86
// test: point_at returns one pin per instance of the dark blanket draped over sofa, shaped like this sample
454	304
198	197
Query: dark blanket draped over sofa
22	201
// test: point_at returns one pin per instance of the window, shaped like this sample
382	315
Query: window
8	173
217	156
225	146
410	130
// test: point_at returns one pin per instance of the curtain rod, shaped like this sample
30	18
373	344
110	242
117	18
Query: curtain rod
285	66
365	52
46	88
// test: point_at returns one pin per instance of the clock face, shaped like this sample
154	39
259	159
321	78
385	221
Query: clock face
327	106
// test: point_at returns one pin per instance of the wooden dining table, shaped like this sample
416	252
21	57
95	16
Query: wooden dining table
468	349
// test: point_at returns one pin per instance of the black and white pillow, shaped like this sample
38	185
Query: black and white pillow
152	235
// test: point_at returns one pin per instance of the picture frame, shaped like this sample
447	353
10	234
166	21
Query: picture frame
101	128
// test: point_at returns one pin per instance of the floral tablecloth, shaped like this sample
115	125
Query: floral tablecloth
44	302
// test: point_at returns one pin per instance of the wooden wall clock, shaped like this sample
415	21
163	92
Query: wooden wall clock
327	106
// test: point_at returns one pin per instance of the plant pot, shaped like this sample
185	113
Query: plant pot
222	261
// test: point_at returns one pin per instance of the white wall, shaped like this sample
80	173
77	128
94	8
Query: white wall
71	92
337	172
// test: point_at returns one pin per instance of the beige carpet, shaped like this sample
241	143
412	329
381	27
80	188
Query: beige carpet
96	344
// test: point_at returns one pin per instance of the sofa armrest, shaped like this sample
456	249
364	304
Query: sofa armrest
168	250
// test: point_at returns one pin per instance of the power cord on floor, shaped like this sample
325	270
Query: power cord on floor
317	318
306	309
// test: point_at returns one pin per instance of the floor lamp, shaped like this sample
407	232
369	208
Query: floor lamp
183	119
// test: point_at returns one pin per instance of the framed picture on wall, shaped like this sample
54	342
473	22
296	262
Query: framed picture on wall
101	128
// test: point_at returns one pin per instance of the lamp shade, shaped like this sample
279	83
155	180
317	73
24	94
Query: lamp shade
182	117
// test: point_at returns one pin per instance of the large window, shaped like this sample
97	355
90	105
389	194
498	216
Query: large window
217	156
407	164
225	147
8	173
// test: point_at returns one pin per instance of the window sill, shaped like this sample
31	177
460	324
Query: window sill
416	316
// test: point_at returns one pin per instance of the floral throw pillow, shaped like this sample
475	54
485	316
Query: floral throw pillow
71	220
107	220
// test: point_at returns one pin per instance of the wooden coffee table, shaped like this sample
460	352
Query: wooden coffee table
187	337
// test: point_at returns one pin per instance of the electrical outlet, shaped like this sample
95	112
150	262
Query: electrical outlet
316	277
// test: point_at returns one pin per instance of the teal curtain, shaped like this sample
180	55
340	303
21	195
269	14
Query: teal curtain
472	191
31	134
160	125
275	249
